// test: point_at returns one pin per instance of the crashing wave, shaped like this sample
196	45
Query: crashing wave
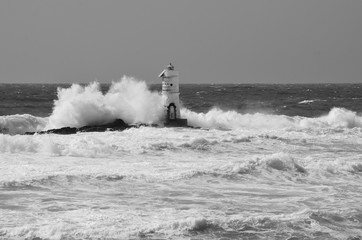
128	99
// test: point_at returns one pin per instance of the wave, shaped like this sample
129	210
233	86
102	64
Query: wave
78	106
306	101
199	144
219	119
336	118
311	101
21	123
131	100
69	114
189	224
301	224
112	145
78	146
39	183
277	166
128	99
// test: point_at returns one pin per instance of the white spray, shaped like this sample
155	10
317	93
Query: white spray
128	99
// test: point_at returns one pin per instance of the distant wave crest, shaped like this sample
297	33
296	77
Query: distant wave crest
311	101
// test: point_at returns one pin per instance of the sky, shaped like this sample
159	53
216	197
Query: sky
208	41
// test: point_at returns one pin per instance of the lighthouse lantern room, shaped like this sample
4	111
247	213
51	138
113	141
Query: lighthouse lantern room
170	97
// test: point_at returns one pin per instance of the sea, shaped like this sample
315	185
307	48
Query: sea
258	161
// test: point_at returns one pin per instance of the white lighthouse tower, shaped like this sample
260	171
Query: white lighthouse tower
170	97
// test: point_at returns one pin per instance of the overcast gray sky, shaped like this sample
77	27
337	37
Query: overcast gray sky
208	41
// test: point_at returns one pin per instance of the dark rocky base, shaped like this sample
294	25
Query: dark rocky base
117	125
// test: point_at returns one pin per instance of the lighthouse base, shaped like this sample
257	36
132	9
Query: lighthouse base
178	122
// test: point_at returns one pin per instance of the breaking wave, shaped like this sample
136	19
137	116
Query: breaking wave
218	119
18	124
128	99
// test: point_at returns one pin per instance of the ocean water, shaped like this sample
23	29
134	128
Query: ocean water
263	162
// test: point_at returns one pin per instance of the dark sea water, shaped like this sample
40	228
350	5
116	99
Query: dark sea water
261	162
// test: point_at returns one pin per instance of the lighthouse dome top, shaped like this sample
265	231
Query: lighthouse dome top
170	67
169	72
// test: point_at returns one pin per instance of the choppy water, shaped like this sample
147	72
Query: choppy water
269	162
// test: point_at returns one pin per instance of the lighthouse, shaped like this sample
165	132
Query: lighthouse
170	97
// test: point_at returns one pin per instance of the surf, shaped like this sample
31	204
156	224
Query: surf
131	100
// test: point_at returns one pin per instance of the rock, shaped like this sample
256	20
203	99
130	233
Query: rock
117	125
64	130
